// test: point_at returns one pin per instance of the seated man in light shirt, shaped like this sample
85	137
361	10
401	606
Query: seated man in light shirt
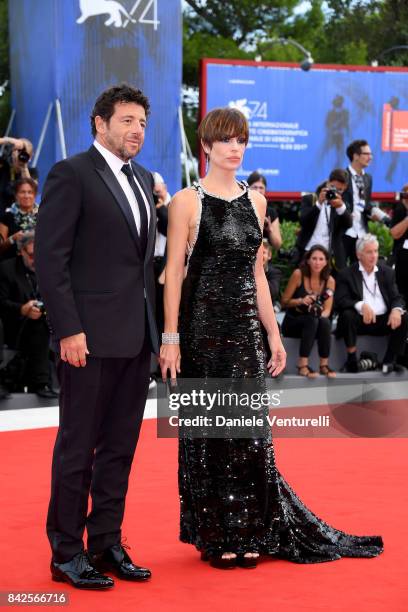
368	301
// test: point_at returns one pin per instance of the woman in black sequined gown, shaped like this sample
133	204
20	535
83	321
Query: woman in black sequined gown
234	502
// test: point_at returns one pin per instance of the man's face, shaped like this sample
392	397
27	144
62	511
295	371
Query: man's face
25	197
27	253
123	134
369	256
365	156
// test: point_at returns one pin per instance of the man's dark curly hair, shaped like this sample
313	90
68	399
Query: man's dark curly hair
105	103
355	147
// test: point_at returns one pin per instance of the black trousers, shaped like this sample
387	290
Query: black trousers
1	341
350	248
34	344
101	411
401	275
350	325
309	329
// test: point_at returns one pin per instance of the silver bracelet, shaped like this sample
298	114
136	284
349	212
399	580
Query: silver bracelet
170	338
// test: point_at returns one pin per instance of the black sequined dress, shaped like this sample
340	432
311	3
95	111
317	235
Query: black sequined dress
232	496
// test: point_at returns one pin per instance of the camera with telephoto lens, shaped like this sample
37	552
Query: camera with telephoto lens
368	362
7	155
332	193
316	308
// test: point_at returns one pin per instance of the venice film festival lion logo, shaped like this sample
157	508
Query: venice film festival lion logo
118	15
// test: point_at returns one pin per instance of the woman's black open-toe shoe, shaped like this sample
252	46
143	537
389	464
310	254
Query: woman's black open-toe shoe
247	562
218	561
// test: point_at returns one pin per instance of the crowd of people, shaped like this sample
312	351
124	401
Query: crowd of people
338	283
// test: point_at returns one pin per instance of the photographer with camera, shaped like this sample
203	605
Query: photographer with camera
25	325
358	196
14	160
369	303
324	218
19	218
271	232
308	300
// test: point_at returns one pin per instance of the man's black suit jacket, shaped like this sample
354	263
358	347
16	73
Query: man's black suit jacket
338	224
349	287
92	274
16	289
348	196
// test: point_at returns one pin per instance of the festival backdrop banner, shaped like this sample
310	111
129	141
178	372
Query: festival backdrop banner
301	122
71	50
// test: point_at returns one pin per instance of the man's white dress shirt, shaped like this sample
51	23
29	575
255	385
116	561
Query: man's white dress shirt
115	164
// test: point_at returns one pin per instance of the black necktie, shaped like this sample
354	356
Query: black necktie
126	169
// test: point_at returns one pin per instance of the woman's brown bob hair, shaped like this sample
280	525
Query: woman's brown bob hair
305	267
223	123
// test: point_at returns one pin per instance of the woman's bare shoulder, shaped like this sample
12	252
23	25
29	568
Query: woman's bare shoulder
259	200
188	194
184	202
296	276
331	283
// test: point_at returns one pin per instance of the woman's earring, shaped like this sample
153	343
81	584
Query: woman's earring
207	161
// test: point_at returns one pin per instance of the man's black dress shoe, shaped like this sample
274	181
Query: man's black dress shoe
387	368
80	573
44	391
4	394
116	560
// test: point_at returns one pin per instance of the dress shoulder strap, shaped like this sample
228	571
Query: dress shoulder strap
200	191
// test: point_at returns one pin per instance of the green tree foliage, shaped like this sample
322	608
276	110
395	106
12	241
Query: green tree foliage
334	31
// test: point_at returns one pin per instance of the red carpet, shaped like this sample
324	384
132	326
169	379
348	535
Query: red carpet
356	485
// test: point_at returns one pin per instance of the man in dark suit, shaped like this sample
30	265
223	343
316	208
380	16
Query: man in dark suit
324	218
368	301
357	196
94	259
26	329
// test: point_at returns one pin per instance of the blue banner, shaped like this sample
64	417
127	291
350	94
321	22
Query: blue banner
72	50
301	122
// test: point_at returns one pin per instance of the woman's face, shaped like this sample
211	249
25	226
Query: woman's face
25	197
258	186
317	261
227	153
